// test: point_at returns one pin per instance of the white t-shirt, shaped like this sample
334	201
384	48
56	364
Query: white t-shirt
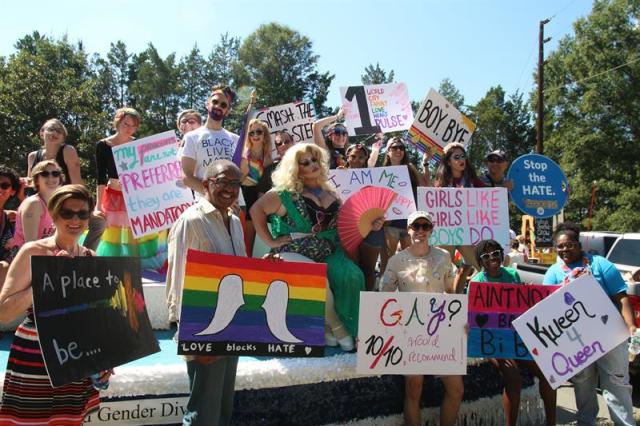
206	146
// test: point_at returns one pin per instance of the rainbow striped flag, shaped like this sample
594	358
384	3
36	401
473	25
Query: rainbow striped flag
244	306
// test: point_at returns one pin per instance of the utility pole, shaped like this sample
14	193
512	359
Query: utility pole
540	118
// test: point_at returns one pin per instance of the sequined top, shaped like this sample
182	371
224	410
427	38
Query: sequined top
432	273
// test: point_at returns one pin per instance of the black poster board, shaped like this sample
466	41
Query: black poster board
544	232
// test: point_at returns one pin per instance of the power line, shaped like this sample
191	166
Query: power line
636	59
562	9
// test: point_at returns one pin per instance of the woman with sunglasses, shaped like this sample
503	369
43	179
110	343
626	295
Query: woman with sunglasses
188	120
282	141
33	221
53	134
336	140
256	156
490	255
303	211
612	369
117	239
28	397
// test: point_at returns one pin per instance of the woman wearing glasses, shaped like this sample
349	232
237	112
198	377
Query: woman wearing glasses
490	255
256	156
282	141
53	134
336	140
117	239
612	369
303	211
28	397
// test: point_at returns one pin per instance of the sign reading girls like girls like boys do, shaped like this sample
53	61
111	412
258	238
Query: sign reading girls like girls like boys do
295	118
492	309
349	181
464	216
438	123
540	187
412	333
571	329
90	314
242	306
151	178
378	108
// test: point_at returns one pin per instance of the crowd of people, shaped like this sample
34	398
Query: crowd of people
280	194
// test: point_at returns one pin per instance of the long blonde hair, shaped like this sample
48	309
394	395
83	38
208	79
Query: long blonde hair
266	140
286	176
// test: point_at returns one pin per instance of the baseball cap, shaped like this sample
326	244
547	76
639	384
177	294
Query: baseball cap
417	215
497	153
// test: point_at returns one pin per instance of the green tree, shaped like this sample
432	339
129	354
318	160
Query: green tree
114	77
376	75
191	80
592	125
451	93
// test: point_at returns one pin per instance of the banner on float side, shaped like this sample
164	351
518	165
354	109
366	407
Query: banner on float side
540	187
464	216
242	306
376	108
294	118
151	178
438	123
571	329
90	314
349	181
412	333
492	309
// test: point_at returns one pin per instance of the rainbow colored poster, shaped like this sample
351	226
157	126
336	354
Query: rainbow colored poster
242	306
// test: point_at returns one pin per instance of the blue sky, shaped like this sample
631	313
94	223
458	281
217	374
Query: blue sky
476	43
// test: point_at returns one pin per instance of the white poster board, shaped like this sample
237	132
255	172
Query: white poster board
294	118
349	181
464	216
151	178
376	108
412	333
571	329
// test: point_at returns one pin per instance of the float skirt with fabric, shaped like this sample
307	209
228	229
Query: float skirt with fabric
118	240
28	397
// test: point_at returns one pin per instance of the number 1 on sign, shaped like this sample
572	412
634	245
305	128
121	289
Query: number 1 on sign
363	110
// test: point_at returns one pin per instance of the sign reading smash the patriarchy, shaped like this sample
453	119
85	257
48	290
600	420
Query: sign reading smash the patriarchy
492	309
151	178
242	306
540	187
293	118
376	108
412	333
464	216
571	329
437	123
349	181
90	314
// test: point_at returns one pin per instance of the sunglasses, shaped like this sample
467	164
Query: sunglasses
222	104
224	183
496	254
284	142
5	185
567	246
47	173
495	160
53	129
255	133
339	131
459	157
357	157
189	121
68	214
425	226
307	163
397	147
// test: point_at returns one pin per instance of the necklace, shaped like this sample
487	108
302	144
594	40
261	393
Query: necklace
76	249
315	191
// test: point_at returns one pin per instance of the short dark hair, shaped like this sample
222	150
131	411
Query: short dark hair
487	244
7	171
567	228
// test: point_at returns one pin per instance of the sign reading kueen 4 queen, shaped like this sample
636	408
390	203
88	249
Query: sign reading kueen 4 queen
151	178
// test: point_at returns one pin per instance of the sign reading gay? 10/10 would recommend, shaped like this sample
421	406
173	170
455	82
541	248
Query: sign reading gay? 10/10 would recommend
151	178
376	108
349	181
412	333
571	329
540	187
294	118
464	216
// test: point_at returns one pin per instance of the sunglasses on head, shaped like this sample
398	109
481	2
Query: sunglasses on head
424	226
458	157
225	183
255	133
47	173
283	142
496	254
306	163
339	131
68	214
5	185
221	104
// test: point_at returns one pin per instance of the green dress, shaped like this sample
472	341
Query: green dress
323	246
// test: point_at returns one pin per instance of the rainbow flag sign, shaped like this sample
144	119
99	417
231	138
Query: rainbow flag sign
243	306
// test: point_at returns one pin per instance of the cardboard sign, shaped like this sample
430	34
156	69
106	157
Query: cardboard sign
151	178
437	123
464	216
349	181
571	329
90	314
376	108
412	333
293	118
242	306
540	187
492	309
544	232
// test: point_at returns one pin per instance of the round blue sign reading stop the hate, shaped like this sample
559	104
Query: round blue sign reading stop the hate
540	188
